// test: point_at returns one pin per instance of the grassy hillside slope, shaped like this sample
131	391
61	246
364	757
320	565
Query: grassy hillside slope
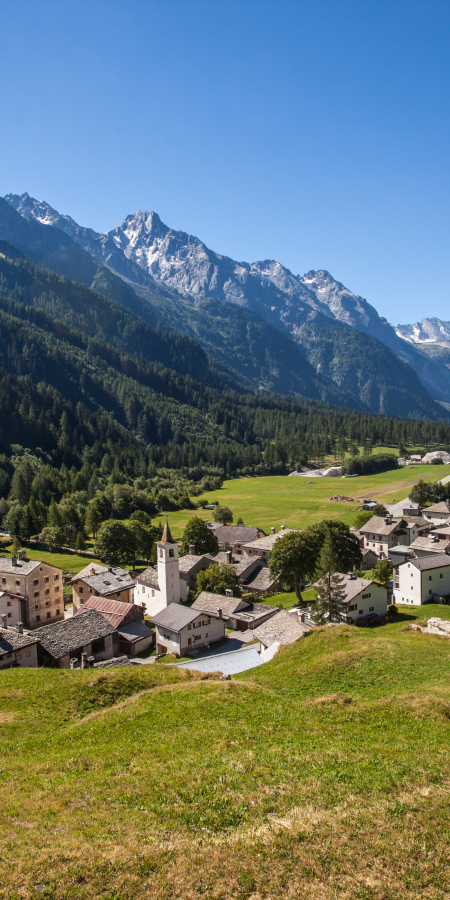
324	774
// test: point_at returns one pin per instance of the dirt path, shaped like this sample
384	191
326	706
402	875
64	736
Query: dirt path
392	487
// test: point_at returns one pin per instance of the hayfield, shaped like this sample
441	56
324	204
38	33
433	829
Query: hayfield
323	774
278	500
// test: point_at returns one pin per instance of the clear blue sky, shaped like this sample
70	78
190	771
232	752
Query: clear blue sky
315	132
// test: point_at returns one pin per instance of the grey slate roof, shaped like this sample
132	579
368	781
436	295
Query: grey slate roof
261	580
427	543
235	534
23	566
109	581
377	525
231	663
430	562
190	560
11	640
443	507
149	577
283	628
134	631
267	543
72	634
175	616
211	603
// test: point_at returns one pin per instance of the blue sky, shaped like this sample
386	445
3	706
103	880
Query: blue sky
316	133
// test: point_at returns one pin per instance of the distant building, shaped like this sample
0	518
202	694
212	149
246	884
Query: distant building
263	547
364	600
160	586
95	580
17	650
239	614
438	512
235	536
87	633
382	532
430	544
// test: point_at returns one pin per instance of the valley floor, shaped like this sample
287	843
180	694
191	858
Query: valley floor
324	774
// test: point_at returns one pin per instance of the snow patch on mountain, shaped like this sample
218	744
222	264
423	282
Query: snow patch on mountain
427	331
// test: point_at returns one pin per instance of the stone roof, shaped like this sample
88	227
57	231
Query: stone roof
377	525
110	663
190	560
134	631
261	580
235	534
430	562
267	543
441	529
11	640
433	546
114	610
73	634
22	567
442	507
353	586
211	603
282	628
175	616
110	581
149	577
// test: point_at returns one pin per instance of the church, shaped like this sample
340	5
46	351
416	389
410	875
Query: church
156	587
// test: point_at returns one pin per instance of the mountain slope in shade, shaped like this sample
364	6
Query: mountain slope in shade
426	331
145	252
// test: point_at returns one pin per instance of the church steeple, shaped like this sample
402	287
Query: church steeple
166	536
168	567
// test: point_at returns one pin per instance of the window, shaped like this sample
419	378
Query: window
36	581
56	588
153	593
189	627
46	580
3	580
37	606
18	656
206	635
430	577
80	590
57	612
189	641
441	575
8	602
365	596
361	612
47	603
161	553
371	608
171	553
55	577
48	615
9	615
36	594
17	583
28	652
38	618
46	591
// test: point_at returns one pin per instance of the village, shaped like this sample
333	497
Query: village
119	617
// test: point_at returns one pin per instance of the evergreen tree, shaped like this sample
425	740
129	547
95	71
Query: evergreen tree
54	519
80	542
330	588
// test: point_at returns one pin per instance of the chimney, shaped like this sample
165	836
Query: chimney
92	571
388	520
229	558
74	663
228	592
110	568
22	554
220	612
19	627
14	561
4	620
272	530
281	527
84	661
91	661
191	549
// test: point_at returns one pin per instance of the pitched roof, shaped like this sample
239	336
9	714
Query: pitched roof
166	535
442	507
10	640
110	580
430	562
134	631
22	566
190	560
72	634
175	616
235	534
378	525
231	663
261	580
149	577
211	603
268	542
282	628
433	546
114	610
353	586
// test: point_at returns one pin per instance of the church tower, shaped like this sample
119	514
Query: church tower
168	567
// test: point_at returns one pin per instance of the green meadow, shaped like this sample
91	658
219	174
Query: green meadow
324	774
291	501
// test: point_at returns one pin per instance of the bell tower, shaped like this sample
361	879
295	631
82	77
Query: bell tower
168	567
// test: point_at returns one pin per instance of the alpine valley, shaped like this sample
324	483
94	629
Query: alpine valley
259	324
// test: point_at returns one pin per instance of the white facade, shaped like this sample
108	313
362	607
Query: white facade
156	588
10	607
417	581
371	600
202	631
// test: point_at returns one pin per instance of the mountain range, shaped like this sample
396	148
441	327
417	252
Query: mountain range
278	331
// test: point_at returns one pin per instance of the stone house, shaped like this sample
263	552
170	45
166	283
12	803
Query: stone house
96	580
89	633
13	607
17	650
38	584
283	628
438	512
262	547
239	614
180	629
127	619
235	536
383	532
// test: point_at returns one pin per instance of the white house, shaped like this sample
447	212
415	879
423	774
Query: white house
363	599
180	629
439	512
383	532
11	606
420	580
158	587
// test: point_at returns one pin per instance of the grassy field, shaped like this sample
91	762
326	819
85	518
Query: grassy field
277	500
322	775
71	563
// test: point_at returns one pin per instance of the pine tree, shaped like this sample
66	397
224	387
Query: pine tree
54	516
330	588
